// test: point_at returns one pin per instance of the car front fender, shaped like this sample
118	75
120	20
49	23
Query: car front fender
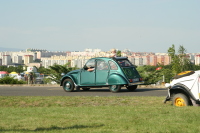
68	76
180	88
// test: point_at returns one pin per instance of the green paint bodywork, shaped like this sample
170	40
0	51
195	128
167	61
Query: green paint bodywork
118	76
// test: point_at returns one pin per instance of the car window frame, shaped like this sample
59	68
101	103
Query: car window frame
126	61
113	63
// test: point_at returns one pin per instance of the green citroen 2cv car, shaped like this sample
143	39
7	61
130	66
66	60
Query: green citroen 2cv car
103	72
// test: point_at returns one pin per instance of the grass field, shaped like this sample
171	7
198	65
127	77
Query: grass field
96	115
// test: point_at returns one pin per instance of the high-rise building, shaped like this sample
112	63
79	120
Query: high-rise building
6	60
17	59
28	59
197	59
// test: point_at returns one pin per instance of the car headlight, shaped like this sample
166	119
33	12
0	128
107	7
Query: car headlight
167	85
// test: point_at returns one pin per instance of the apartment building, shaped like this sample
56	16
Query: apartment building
197	59
41	54
50	61
6	60
74	61
17	59
28	59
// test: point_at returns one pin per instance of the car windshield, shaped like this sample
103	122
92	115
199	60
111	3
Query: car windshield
124	63
90	64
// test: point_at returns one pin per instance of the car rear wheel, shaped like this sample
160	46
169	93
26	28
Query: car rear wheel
86	89
132	88
180	100
68	85
115	88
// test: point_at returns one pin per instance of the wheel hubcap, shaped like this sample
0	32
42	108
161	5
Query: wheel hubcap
68	85
113	87
180	102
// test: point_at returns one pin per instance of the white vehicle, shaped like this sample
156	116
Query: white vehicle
184	89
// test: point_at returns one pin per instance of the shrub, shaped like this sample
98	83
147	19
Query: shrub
11	80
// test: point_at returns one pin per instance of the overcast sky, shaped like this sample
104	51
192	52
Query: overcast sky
74	25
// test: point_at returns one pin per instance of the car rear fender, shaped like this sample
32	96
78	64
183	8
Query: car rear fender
117	79
180	88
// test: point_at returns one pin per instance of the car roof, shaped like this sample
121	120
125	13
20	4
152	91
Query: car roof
114	58
121	58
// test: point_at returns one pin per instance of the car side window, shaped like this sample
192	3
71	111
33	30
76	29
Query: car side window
90	64
113	66
102	65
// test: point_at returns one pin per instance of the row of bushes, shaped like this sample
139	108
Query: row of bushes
11	80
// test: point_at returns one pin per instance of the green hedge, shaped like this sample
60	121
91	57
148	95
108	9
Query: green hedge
11	80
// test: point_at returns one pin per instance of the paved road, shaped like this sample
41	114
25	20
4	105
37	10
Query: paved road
58	91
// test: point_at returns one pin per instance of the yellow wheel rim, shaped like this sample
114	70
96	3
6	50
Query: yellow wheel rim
179	102
185	72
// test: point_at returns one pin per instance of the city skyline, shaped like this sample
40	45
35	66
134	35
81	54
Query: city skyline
65	25
42	57
4	49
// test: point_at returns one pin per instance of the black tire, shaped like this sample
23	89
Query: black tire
68	85
183	74
86	89
132	88
115	88
180	100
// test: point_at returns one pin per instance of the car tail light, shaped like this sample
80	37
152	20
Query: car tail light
130	80
141	79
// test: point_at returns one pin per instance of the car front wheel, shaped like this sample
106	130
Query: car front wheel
115	88
180	100
68	85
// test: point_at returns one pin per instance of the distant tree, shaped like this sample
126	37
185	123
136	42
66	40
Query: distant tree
196	67
119	54
56	71
10	69
185	63
43	70
3	68
151	75
19	69
180	61
174	60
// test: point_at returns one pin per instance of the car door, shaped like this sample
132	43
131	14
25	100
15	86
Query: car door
102	71
88	77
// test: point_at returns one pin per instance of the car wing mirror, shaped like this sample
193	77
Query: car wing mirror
85	67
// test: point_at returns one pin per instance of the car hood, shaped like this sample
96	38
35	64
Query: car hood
74	71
